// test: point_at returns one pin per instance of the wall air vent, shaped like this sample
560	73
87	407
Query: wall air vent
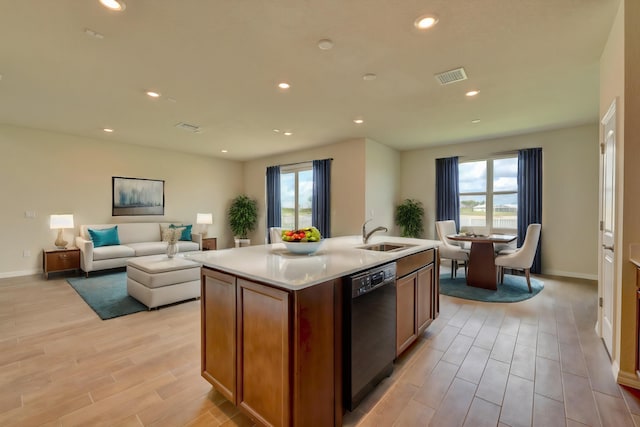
189	127
451	76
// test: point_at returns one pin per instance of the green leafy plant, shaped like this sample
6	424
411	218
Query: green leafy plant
243	216
409	215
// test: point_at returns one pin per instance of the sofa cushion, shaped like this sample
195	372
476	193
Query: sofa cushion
188	247
186	233
104	237
148	248
115	251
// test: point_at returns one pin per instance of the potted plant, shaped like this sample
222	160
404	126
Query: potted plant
243	217
409	215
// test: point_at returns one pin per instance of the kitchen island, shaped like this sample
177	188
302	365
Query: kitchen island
273	322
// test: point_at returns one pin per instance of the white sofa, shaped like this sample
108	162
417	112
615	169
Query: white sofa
136	239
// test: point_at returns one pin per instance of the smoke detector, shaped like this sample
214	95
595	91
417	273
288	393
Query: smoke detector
451	76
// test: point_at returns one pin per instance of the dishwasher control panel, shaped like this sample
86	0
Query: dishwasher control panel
369	280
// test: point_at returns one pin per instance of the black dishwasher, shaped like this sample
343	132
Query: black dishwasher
370	331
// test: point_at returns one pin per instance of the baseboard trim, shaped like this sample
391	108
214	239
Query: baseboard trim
8	274
571	274
629	379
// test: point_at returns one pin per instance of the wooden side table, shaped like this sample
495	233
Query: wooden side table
55	260
210	244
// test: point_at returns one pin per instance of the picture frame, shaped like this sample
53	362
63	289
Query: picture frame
137	196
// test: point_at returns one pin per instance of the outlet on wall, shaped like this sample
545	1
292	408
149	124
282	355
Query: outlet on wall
26	253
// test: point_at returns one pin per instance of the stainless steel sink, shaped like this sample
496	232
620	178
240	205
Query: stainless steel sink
386	247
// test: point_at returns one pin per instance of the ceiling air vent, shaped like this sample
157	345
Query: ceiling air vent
451	76
189	127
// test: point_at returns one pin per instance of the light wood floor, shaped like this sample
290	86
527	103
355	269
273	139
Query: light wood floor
532	363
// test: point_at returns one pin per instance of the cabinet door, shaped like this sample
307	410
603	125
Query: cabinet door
406	331
424	297
219	331
263	353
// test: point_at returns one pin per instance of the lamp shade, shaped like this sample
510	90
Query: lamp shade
204	218
61	221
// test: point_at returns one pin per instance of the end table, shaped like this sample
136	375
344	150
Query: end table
55	260
209	243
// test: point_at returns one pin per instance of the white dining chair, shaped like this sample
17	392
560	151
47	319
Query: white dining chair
522	258
449	249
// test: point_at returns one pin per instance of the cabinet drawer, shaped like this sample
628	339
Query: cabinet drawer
413	262
67	260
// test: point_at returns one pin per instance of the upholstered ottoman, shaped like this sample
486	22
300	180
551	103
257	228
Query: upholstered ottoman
158	280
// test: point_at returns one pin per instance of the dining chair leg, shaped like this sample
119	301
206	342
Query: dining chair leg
454	268
526	273
501	275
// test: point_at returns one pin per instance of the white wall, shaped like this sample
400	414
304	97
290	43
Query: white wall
347	184
49	172
382	186
570	191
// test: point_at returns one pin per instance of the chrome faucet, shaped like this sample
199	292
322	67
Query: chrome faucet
365	235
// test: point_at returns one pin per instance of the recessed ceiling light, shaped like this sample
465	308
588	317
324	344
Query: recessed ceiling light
288	133
472	93
276	130
223	151
284	85
474	121
117	5
325	44
358	121
369	77
425	21
108	130
153	94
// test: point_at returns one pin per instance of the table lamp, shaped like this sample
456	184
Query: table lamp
204	219
60	222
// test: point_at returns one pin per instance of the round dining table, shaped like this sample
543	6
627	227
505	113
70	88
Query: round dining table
481	271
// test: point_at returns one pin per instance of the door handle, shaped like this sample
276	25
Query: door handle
607	248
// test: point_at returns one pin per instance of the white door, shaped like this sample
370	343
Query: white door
607	225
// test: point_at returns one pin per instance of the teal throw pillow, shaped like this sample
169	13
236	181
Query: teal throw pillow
186	233
104	237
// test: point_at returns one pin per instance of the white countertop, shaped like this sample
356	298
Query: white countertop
337	257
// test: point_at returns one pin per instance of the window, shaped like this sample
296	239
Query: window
296	192
489	194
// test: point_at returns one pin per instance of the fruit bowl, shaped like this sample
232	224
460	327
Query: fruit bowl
303	248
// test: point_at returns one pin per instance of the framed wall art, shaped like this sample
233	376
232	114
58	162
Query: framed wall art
137	196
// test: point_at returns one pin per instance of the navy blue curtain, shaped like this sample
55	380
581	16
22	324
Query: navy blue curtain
321	202
530	196
273	199
447	190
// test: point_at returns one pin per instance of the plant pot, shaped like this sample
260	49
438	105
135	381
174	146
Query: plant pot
241	243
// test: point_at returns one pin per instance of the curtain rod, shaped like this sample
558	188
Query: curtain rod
299	163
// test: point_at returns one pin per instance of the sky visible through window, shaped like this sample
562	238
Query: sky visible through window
499	211
287	198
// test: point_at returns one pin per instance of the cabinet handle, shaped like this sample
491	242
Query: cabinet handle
607	248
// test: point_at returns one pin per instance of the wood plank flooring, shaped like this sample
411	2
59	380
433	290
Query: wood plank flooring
534	363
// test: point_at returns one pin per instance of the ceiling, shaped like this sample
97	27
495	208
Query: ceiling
217	65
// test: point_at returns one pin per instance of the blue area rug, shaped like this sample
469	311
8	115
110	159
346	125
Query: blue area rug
513	289
107	295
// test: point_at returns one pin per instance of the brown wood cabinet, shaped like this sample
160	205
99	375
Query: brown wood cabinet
272	352
56	260
416	297
263	353
218	317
